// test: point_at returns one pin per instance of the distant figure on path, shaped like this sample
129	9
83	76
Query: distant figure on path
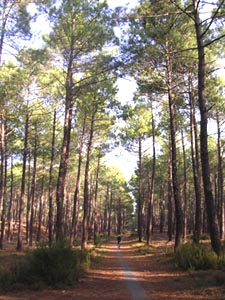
118	241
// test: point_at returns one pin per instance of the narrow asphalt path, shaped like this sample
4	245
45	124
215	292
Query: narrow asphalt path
131	281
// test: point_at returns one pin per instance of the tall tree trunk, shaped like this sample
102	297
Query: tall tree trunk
67	215
28	198
76	200
2	154
195	165
95	212
4	179
220	179
184	186
90	208
50	197
33	189
209	199
152	186
87	185
23	186
176	194
140	199
162	208
10	209
170	197
109	203
64	152
40	212
119	217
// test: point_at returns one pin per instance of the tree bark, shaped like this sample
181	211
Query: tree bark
23	186
33	189
3	178
162	209
40	212
140	199
64	152
28	205
95	212
177	200
50	197
209	199
2	154
87	185
184	187
152	186
195	166
76	199
170	198
220	179
107	210
10	208
119	217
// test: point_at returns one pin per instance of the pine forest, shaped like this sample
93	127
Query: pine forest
60	116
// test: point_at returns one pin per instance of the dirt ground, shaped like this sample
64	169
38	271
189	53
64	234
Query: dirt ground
153	269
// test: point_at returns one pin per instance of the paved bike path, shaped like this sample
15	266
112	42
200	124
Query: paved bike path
131	281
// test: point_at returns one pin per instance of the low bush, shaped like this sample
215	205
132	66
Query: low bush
57	266
221	262
193	256
98	241
145	250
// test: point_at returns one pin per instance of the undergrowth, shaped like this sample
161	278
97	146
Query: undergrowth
58	266
145	250
98	241
192	256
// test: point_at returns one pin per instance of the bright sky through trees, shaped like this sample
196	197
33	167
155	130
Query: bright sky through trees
128	3
121	158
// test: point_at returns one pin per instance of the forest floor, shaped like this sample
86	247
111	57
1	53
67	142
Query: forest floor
133	273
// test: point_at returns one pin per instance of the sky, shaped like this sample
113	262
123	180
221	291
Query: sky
115	3
120	158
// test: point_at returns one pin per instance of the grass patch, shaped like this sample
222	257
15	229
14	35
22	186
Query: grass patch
98	241
145	250
97	257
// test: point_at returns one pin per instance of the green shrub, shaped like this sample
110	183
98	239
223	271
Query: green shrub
193	256
57	266
221	262
145	250
204	237
12	276
85	261
98	241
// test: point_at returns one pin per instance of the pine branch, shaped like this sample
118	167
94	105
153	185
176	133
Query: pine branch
212	19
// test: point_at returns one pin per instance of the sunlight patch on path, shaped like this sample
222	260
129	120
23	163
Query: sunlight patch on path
131	281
